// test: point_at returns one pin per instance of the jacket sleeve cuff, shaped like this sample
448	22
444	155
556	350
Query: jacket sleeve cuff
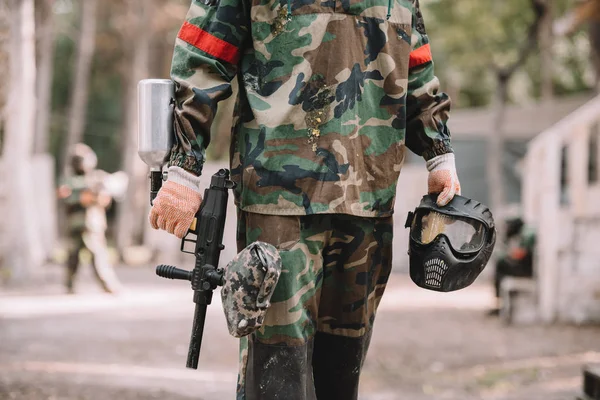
438	148
187	162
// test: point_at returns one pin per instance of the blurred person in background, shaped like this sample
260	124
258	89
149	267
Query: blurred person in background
328	99
86	201
517	258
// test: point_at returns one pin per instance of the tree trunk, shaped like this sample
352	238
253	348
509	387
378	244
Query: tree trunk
45	24
5	36
545	39
23	255
132	211
495	142
582	13
79	95
594	33
495	151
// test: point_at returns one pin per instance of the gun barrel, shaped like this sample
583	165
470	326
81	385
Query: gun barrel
196	339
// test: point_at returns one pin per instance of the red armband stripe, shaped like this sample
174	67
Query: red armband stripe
208	43
420	56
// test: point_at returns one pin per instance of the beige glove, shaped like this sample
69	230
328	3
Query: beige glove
443	178
176	203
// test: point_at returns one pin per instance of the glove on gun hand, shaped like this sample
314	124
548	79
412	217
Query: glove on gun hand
177	202
443	178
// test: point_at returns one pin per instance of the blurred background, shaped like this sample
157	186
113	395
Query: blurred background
523	76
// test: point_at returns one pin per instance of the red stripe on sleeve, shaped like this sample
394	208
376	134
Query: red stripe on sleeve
420	56
208	43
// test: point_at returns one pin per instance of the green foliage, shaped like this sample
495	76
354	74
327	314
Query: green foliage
105	113
64	56
472	37
105	117
105	110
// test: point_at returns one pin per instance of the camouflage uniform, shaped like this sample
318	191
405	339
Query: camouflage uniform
87	227
517	259
334	271
330	93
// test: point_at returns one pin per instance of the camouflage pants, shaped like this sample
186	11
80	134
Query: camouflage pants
95	243
317	330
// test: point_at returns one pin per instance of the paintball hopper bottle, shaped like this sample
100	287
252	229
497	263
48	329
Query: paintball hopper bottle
155	121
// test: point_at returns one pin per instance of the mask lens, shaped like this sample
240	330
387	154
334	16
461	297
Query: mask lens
464	234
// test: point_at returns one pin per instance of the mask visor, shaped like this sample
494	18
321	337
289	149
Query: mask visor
465	234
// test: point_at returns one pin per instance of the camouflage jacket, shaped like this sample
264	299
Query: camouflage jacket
330	92
80	218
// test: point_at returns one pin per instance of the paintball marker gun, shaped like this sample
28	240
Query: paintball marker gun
155	113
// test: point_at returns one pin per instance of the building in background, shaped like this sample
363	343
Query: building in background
471	127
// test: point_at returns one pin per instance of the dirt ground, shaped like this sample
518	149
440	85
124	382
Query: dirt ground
426	345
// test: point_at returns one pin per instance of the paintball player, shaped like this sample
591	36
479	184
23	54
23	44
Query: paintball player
86	203
517	259
329	95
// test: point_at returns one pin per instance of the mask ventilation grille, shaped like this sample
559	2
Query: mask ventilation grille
435	269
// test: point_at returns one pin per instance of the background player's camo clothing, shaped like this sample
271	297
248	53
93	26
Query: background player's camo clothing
330	92
80	218
334	272
517	258
87	228
95	243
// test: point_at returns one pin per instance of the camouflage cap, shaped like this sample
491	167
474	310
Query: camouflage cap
250	279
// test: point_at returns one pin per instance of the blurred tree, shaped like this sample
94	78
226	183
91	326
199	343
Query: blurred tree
132	213
585	12
106	108
545	40
495	141
79	95
471	36
23	254
44	16
4	60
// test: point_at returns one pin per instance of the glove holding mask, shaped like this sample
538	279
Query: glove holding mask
443	178
177	202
